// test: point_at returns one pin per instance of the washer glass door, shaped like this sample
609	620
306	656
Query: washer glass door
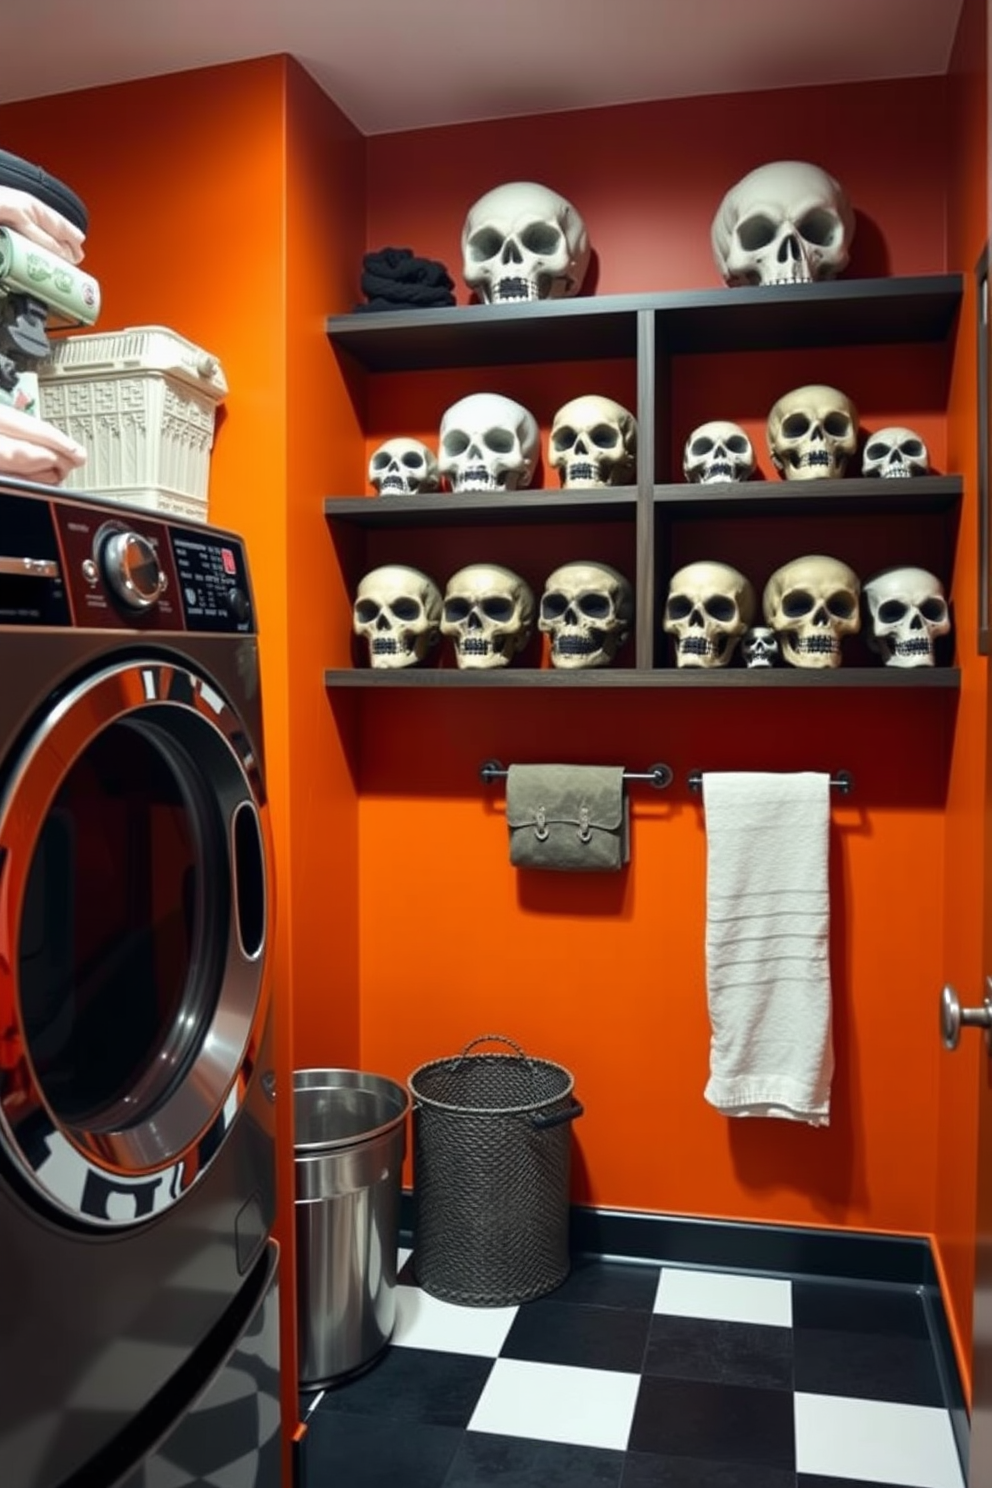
132	883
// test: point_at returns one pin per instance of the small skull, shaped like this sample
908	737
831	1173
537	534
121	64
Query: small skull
718	451
708	609
488	613
523	241
812	433
812	604
895	453
593	443
398	611
488	443
788	222
907	610
403	467
759	647
587	610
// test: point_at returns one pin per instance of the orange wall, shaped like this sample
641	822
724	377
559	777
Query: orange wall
608	977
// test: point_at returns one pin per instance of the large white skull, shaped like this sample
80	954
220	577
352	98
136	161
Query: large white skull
908	611
759	647
403	467
895	453
812	433
812	604
718	451
522	241
586	609
708	609
488	443
488	613
788	222
593	443
398	611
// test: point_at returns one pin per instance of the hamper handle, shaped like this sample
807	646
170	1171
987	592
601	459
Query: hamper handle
558	1118
493	1038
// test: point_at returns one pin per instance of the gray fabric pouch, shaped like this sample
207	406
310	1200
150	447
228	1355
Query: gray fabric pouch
573	818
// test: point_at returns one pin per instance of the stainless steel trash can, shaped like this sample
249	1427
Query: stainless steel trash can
349	1143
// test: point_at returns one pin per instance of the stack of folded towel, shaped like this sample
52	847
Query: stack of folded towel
394	279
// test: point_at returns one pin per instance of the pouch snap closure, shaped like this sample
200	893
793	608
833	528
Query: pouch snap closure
541	831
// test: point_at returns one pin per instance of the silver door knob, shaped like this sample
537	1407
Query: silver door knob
953	1017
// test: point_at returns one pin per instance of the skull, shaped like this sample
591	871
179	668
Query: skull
785	223
812	433
586	609
403	467
524	242
895	452
488	443
812	603
718	451
398	611
907	610
759	647
593	443
488	613
709	607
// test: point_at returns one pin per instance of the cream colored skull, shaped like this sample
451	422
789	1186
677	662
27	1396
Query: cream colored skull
488	614
403	467
812	604
488	443
593	443
708	609
895	453
398	612
759	647
812	433
587	610
523	241
787	222
908	611
718	451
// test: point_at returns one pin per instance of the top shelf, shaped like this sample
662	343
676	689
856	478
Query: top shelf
775	317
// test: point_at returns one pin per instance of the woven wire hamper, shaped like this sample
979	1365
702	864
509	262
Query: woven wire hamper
491	1157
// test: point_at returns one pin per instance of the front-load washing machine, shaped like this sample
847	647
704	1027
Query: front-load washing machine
137	1154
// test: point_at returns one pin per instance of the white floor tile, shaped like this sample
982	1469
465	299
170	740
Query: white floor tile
428	1323
876	1441
402	1256
723	1295
554	1402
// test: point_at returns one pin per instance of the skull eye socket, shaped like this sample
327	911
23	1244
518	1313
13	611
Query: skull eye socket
553	605
594	606
797	603
891	611
737	444
841	605
455	442
564	438
876	451
497	607
412	460
456	609
485	244
499	441
795	425
912	447
541	237
819	227
678	607
405	609
366	611
701	446
934	610
380	460
603	437
837	425
720	607
756	232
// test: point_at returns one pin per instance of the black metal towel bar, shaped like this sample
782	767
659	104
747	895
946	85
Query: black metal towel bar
843	781
658	775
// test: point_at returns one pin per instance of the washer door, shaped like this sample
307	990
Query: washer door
133	856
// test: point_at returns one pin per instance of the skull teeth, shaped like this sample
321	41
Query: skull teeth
920	646
895	472
478	478
515	288
393	483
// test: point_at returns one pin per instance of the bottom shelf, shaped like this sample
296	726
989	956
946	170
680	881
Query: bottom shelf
943	679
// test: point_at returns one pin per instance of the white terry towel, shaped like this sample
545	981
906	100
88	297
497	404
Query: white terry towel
767	945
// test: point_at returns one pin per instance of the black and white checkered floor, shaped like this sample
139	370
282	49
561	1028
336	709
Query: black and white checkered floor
642	1376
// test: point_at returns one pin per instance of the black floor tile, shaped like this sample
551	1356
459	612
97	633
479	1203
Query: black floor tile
859	1308
609	1284
413	1385
643	1470
722	1423
870	1366
811	1480
721	1352
515	1462
353	1451
549	1332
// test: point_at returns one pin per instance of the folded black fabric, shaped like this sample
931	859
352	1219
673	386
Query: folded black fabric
395	279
